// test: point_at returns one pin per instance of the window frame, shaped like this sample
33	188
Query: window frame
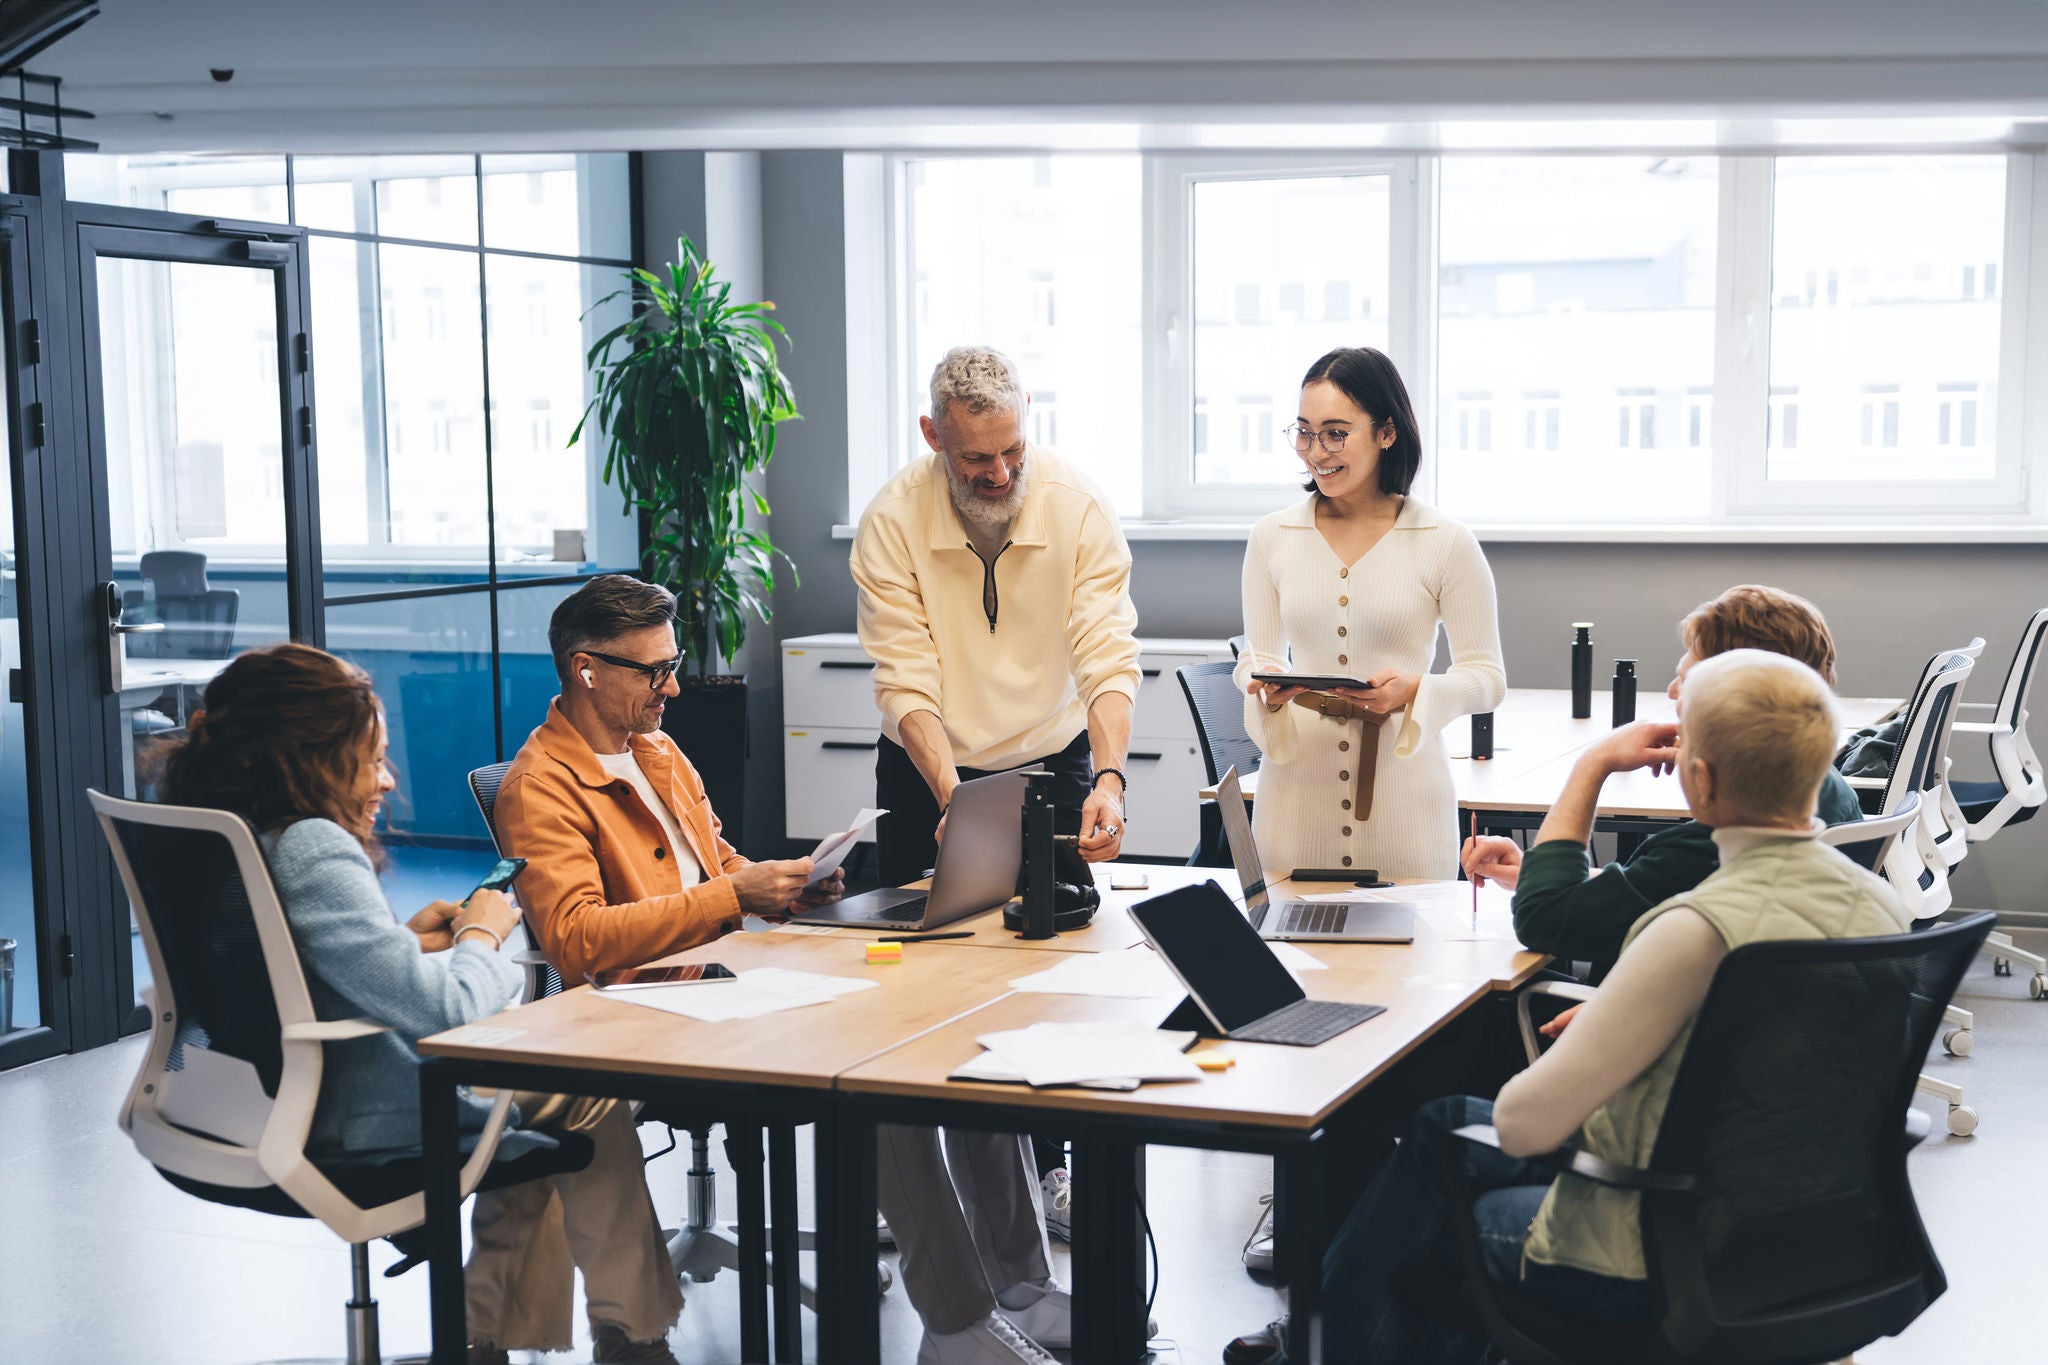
1168	313
1743	502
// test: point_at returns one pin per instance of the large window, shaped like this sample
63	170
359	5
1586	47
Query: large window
451	302
1604	340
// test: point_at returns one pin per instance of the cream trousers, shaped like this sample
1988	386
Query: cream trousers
529	1240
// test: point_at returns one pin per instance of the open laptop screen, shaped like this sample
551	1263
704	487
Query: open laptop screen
1237	832
1217	954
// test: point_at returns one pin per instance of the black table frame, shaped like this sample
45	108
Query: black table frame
1109	1267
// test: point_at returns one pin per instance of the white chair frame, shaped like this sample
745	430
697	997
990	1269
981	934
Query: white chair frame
2020	771
211	1121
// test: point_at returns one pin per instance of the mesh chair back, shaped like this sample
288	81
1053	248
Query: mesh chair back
1219	719
1801	1240
1923	744
199	626
2019	679
1238	645
483	785
192	893
174	573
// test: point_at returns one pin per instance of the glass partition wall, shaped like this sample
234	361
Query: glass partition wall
450	302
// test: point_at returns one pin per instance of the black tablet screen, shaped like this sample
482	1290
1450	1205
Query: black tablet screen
1217	954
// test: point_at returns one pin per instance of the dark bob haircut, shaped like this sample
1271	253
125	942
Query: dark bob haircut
1369	379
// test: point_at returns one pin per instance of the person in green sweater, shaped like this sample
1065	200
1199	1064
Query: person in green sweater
1563	906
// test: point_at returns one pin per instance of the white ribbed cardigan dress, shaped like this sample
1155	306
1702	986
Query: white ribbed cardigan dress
1301	603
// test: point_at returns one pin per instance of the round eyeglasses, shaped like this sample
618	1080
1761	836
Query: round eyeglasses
1306	438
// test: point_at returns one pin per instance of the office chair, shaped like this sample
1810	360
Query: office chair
1238	645
223	1102
1777	1218
199	620
700	1248
1218	709
2016	791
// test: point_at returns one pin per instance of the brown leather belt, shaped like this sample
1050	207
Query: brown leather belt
1366	766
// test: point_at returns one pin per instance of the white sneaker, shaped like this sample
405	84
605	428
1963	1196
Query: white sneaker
992	1341
1058	1189
1049	1318
1258	1248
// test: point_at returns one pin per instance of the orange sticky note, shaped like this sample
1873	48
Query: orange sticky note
1215	1063
885	952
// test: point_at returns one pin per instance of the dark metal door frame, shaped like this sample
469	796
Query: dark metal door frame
93	232
36	477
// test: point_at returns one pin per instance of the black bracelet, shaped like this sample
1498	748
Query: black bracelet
1123	784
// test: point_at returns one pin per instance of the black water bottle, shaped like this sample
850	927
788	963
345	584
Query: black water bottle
1624	692
1582	670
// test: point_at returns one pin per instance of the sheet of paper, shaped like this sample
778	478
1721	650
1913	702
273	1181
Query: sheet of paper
763	990
1127	974
987	1066
1069	1054
833	848
1335	896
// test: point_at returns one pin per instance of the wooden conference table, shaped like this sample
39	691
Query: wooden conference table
883	1056
1536	741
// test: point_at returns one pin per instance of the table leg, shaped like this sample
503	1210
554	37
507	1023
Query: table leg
743	1147
1109	1251
441	1138
1299	1243
849	1299
782	1245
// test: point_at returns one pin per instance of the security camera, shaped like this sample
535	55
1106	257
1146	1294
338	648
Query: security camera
223	74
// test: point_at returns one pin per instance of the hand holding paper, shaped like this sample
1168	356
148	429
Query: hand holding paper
833	848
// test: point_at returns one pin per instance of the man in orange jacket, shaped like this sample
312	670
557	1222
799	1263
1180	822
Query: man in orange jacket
625	862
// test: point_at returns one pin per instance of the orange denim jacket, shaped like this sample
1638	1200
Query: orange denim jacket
599	889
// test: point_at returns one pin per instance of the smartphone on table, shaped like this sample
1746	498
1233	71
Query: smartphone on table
682	974
499	877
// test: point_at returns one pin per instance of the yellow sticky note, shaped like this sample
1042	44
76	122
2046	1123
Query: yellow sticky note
885	952
1213	1063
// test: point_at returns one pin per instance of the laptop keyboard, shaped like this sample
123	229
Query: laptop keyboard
1307	1022
1313	917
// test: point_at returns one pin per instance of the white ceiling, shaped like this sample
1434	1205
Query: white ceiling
330	75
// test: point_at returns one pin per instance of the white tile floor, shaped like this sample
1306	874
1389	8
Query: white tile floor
102	1261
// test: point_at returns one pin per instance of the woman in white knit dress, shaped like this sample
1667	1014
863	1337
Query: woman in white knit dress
1355	581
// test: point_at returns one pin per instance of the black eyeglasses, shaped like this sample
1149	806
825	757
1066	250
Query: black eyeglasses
657	674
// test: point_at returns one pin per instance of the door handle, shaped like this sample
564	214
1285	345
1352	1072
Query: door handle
117	631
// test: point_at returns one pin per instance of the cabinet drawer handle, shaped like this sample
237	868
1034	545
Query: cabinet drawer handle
847	663
850	744
1143	758
1149	672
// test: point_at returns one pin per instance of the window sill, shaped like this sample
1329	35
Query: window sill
2001	533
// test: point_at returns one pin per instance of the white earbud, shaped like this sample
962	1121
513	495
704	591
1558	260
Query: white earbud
587	682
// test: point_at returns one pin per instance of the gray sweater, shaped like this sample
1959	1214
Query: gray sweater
361	963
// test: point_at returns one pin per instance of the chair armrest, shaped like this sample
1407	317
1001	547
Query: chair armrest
1589	1167
332	1030
1980	727
1868	784
533	966
1569	990
1918	1125
1976	706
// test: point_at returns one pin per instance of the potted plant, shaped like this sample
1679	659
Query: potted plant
689	393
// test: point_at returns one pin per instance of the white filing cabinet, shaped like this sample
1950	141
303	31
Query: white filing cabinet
831	730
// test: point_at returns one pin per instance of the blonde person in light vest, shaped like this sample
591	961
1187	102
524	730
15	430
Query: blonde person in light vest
1759	732
994	599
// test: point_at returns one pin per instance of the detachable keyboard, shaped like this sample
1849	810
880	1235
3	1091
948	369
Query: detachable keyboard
1306	1022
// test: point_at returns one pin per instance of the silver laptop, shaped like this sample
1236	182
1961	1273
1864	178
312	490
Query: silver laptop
1310	921
978	862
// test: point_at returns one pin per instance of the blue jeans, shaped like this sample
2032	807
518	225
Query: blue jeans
1390	1279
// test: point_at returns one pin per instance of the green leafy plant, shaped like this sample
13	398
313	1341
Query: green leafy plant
689	392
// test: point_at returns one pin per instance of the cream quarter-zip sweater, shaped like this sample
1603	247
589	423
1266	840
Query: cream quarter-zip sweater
1014	684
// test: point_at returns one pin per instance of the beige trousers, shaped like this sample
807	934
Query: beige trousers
967	1215
529	1240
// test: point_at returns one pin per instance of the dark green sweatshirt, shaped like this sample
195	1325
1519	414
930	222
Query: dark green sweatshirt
1564	908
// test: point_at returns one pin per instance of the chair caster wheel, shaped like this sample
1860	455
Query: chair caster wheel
1958	1041
884	1277
2001	967
2037	987
1962	1120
